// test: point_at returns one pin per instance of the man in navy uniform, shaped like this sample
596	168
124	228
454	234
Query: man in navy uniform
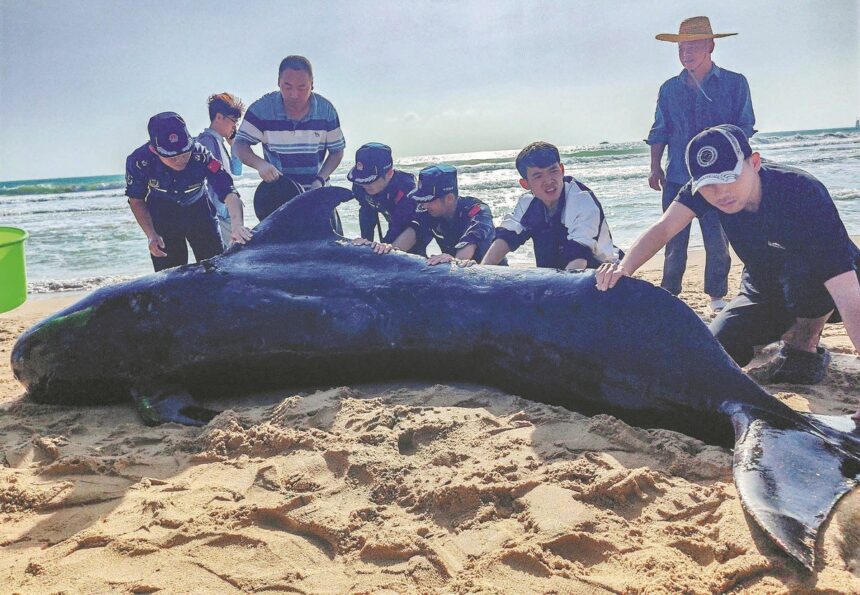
461	225
381	190
167	194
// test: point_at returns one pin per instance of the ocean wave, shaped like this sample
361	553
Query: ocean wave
82	284
60	187
50	189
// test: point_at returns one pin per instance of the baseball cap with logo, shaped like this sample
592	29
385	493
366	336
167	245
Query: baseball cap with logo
372	160
169	135
434	182
716	155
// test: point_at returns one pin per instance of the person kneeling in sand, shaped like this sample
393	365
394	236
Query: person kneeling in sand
563	218
461	225
799	263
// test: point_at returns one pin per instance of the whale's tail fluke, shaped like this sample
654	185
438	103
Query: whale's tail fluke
791	471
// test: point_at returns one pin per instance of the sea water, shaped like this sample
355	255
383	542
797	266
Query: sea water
83	234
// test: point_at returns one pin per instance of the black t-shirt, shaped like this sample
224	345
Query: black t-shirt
796	226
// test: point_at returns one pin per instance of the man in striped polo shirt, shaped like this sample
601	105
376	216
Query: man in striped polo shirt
299	129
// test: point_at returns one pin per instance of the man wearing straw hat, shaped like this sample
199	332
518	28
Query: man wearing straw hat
701	96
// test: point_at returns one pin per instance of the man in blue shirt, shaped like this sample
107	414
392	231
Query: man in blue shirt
225	109
799	263
703	95
381	189
166	181
299	129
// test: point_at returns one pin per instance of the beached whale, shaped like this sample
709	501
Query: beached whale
299	306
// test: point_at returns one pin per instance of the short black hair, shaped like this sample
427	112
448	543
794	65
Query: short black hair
226	104
537	154
296	63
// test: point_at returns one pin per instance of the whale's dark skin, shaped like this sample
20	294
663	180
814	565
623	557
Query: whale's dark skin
299	306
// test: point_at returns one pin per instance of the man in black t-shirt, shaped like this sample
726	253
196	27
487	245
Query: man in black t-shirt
800	264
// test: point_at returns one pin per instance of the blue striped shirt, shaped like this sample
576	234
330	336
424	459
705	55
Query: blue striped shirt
296	147
683	112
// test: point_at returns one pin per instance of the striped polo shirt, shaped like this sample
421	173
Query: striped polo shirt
296	147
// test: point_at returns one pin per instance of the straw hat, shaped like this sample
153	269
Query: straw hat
693	29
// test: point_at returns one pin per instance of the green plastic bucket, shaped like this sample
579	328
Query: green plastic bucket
13	276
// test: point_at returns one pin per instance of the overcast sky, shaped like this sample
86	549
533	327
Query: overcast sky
80	79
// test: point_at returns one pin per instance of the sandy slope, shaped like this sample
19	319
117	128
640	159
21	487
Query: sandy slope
398	488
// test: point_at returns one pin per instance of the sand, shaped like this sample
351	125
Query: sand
407	488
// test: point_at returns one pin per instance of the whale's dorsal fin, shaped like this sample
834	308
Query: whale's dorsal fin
306	217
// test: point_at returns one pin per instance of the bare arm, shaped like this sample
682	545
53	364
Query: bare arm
498	250
657	179
144	219
467	252
676	218
246	155
238	232
406	240
330	164
845	291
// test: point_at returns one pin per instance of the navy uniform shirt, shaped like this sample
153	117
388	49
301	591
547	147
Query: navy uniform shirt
796	227
147	178
472	224
393	203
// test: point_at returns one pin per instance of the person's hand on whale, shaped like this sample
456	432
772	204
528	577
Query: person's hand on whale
156	246
240	234
440	259
608	274
378	247
447	258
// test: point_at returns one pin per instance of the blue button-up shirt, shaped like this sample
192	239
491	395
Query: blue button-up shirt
723	97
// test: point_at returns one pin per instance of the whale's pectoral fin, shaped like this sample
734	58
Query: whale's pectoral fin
165	405
790	472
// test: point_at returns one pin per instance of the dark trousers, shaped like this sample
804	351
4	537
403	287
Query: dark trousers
762	313
176	224
717	259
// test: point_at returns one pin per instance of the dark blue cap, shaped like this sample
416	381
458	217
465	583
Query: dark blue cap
716	155
371	161
435	181
169	135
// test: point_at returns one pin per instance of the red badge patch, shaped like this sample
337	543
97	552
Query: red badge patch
474	210
398	197
214	165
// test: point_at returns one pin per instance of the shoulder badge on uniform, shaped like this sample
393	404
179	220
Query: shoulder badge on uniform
474	210
214	165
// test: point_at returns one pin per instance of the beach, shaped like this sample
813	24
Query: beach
406	487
